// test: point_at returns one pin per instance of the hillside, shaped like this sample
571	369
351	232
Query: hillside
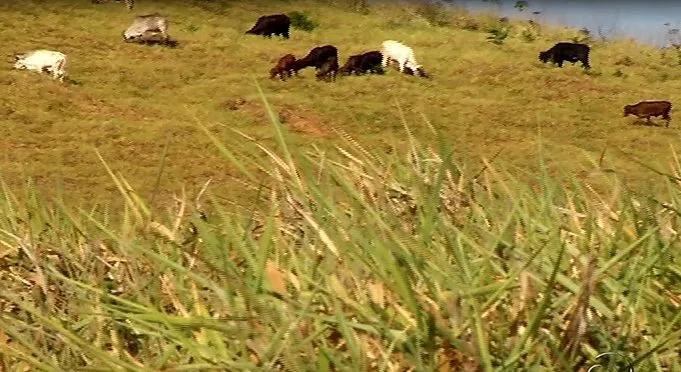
400	224
128	100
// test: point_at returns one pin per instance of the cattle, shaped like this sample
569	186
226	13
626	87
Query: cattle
284	66
128	3
42	60
153	38
646	109
277	24
571	52
362	63
317	57
329	69
145	24
404	55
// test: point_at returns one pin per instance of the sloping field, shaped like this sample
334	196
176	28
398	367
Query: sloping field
413	258
128	101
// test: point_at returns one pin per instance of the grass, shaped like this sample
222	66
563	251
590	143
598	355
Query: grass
350	260
365	233
128	101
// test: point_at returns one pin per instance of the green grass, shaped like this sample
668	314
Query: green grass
391	223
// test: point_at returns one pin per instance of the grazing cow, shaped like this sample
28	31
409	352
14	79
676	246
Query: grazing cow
646	109
42	61
329	69
128	3
277	24
362	63
317	57
404	55
284	66
571	52
143	25
153	37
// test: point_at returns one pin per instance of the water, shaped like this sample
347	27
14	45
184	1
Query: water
643	21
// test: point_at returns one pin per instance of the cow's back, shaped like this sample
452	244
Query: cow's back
572	48
43	56
150	22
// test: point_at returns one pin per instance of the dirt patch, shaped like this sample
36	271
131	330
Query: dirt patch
92	106
295	118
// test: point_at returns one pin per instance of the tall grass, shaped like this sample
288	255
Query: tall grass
347	261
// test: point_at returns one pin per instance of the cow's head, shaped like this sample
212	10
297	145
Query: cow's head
18	62
627	110
422	73
544	56
273	72
416	71
352	63
133	32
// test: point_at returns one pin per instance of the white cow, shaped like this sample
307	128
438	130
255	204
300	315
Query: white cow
404	56
42	60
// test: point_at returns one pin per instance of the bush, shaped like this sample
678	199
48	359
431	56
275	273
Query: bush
359	6
301	21
528	36
434	13
583	36
499	32
466	22
624	61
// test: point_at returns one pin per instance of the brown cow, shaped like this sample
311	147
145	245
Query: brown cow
328	70
286	64
646	109
317	57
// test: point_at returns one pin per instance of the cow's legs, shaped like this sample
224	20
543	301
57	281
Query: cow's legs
385	60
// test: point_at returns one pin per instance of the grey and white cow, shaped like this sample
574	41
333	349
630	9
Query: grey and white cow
145	24
128	3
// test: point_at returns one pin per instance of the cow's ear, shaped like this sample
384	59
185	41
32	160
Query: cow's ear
17	57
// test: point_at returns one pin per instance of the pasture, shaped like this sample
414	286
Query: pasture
128	101
400	223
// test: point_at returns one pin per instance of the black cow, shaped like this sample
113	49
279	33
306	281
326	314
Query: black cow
316	57
362	63
646	109
277	24
571	52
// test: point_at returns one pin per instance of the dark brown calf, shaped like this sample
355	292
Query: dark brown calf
363	63
285	65
646	109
